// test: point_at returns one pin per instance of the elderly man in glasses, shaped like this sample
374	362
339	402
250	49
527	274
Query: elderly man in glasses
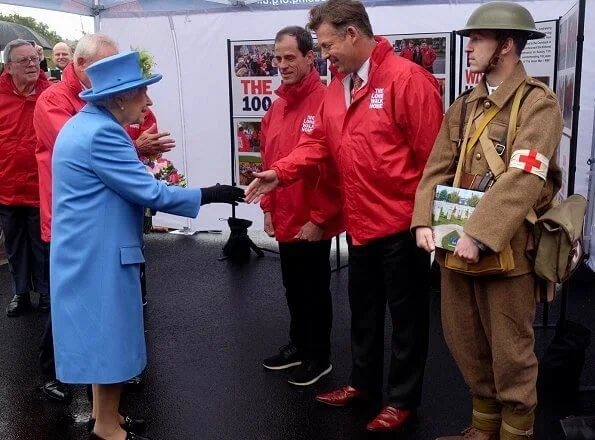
20	85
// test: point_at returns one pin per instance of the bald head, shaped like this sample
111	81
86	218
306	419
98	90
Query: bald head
62	55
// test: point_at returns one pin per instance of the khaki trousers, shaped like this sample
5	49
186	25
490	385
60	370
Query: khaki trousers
488	326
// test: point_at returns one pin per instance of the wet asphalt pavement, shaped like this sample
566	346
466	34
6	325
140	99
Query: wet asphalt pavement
209	324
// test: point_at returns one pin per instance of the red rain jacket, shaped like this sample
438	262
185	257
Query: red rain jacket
380	143
316	197
19	184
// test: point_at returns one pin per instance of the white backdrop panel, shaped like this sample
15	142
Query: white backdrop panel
202	38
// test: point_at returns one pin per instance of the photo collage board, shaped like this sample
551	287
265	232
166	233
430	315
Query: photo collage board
254	79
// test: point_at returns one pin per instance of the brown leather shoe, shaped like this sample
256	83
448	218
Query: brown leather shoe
391	419
473	434
340	397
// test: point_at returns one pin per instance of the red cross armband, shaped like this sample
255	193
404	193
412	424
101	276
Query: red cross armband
530	161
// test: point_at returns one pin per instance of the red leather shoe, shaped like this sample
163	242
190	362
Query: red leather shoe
340	397
391	420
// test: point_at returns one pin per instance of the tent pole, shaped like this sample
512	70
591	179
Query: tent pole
174	38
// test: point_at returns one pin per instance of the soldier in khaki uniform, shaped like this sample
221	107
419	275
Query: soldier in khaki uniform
488	320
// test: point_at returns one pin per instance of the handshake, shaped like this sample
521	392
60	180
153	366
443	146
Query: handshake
221	194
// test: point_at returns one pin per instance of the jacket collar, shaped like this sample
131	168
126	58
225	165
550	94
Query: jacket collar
8	87
72	81
380	52
505	91
296	92
95	109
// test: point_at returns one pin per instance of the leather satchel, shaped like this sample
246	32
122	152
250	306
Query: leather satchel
489	264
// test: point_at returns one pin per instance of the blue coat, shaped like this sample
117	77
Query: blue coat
99	190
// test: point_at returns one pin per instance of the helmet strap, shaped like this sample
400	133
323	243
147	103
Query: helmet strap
496	56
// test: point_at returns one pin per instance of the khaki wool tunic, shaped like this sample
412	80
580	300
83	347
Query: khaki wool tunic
499	217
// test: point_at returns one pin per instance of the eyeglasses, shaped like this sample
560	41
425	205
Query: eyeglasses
27	60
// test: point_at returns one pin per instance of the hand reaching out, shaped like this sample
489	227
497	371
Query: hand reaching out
264	183
152	143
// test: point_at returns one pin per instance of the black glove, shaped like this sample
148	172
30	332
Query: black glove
222	194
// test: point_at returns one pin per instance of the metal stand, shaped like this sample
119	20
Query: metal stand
338	255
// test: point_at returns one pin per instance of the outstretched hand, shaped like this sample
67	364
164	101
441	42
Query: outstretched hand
264	183
221	194
152	143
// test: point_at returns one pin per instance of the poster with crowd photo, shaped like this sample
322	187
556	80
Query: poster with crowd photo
432	52
254	77
567	65
538	57
567	47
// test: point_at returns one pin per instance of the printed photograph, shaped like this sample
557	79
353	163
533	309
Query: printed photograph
571	40
430	53
562	47
247	165
568	100
320	64
248	136
452	208
254	60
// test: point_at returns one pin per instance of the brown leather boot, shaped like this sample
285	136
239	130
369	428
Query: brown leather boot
473	434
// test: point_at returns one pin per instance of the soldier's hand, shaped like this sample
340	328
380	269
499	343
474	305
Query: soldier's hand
152	143
467	250
264	183
268	224
424	238
310	232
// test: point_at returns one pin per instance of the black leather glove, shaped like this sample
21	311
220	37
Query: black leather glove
221	194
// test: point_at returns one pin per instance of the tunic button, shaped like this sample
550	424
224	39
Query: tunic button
487	104
478	156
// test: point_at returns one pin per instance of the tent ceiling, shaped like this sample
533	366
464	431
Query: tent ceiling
86	7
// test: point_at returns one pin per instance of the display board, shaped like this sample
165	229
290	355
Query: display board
539	58
432	52
253	81
567	56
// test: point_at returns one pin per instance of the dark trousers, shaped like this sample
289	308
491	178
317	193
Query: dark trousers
306	273
389	270
27	254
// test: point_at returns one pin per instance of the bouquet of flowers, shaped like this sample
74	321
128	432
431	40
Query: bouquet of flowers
164	170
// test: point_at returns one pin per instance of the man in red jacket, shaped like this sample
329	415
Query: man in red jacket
428	56
303	216
378	122
20	85
54	108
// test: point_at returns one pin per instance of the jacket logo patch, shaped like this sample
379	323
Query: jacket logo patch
377	99
530	161
308	124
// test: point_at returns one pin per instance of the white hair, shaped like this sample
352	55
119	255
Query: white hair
89	45
11	46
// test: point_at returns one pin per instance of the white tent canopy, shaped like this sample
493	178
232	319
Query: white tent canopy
149	7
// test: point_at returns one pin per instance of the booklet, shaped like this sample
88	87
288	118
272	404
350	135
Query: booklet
452	208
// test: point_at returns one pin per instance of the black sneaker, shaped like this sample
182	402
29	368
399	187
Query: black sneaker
287	357
309	373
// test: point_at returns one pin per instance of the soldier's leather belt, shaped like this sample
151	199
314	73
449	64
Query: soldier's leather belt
477	182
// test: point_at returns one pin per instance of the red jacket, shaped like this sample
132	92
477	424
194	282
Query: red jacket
380	143
19	183
407	53
428	56
56	106
316	197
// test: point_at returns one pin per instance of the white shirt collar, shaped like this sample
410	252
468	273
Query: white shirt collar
363	73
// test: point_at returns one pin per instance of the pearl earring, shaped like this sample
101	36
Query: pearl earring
122	108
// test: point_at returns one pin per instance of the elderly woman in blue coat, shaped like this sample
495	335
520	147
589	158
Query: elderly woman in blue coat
99	190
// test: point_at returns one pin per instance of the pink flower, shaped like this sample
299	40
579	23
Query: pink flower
174	178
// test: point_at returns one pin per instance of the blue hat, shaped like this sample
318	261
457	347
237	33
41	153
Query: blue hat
116	74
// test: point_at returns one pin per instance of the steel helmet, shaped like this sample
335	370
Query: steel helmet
502	16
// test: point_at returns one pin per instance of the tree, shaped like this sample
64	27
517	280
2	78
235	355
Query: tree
473	200
39	27
442	195
453	197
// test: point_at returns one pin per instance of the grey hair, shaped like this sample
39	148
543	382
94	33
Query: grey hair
111	100
11	46
89	45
